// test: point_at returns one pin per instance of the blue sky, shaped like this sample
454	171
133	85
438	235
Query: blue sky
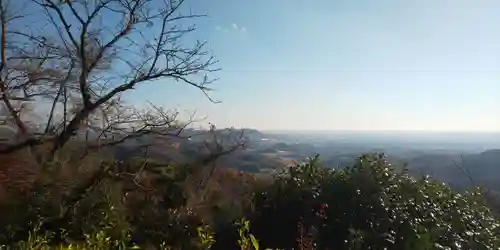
348	65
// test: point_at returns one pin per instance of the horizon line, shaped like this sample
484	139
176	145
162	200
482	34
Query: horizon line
379	131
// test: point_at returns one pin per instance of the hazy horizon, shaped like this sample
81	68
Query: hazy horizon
421	140
319	131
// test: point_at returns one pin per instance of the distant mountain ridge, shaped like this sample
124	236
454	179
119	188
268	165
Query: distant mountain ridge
268	152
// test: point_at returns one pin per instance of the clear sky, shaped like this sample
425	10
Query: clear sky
348	65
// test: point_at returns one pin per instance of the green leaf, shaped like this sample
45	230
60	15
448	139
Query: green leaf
255	243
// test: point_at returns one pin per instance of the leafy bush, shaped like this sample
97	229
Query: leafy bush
370	206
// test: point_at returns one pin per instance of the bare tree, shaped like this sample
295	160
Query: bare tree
65	67
72	60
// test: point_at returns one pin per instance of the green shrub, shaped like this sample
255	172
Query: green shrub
370	206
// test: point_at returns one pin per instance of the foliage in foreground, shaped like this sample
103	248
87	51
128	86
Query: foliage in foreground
367	206
370	206
100	240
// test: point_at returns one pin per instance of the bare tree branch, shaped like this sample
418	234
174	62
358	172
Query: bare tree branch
84	69
3	66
